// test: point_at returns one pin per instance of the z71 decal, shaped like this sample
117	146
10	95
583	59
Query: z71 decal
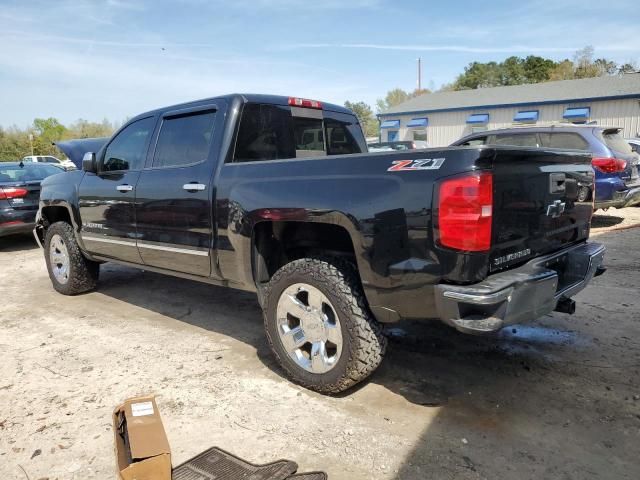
421	164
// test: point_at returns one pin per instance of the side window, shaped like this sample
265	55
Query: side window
127	150
517	140
344	134
563	140
265	133
475	142
51	160
184	139
635	147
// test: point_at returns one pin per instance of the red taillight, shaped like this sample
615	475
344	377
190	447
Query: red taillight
465	212
13	192
305	103
609	165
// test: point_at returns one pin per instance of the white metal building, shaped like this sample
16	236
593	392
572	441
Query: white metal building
443	117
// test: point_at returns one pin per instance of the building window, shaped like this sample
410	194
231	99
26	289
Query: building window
530	116
577	114
478	119
420	135
390	124
418	123
392	136
418	128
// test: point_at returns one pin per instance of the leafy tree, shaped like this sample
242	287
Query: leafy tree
15	142
537	69
365	116
394	97
563	70
85	129
397	96
533	69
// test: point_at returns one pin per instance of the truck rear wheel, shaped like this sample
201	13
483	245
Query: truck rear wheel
319	326
70	272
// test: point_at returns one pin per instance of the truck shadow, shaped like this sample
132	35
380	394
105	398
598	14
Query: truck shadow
551	399
603	220
17	243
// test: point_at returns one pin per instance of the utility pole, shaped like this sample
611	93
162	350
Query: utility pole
31	142
419	73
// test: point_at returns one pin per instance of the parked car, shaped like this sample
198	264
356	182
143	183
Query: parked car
399	145
634	143
19	194
616	166
66	164
222	191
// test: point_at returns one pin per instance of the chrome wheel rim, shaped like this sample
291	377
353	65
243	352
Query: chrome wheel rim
59	258
309	328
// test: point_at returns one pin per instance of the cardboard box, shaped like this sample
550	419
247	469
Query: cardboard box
142	448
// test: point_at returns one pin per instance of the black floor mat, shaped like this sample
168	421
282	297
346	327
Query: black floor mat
309	476
216	464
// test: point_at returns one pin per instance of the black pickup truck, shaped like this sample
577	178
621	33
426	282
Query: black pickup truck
279	196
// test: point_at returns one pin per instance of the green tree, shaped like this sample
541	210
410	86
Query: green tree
563	70
365	116
85	129
394	97
46	131
537	69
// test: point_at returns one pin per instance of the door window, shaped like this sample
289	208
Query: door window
265	133
517	140
475	141
127	150
564	140
184	139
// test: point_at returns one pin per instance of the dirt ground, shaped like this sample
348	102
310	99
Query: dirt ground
555	399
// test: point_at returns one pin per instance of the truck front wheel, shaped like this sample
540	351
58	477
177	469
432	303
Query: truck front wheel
319	326
70	272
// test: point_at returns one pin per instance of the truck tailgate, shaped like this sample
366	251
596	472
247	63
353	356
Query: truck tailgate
542	203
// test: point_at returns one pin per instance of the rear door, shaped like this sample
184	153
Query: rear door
539	203
174	194
621	149
107	198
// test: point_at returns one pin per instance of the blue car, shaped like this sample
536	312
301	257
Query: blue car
614	162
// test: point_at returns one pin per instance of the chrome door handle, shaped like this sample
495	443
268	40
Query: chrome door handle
124	188
193	187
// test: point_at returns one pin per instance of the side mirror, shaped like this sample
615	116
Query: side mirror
89	163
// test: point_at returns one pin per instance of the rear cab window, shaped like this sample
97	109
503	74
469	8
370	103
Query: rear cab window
278	132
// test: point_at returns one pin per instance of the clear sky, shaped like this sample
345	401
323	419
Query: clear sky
89	59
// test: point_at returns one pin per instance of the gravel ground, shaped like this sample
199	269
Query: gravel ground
557	398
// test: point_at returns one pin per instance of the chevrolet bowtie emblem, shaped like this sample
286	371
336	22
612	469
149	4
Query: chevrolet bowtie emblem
555	209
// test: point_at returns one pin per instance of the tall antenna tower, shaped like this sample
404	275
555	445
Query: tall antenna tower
419	83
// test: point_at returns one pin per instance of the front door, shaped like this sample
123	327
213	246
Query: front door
107	198
174	198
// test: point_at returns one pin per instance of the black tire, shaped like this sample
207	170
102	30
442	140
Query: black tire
82	272
364	344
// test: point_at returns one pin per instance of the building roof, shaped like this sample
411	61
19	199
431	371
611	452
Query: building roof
586	89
